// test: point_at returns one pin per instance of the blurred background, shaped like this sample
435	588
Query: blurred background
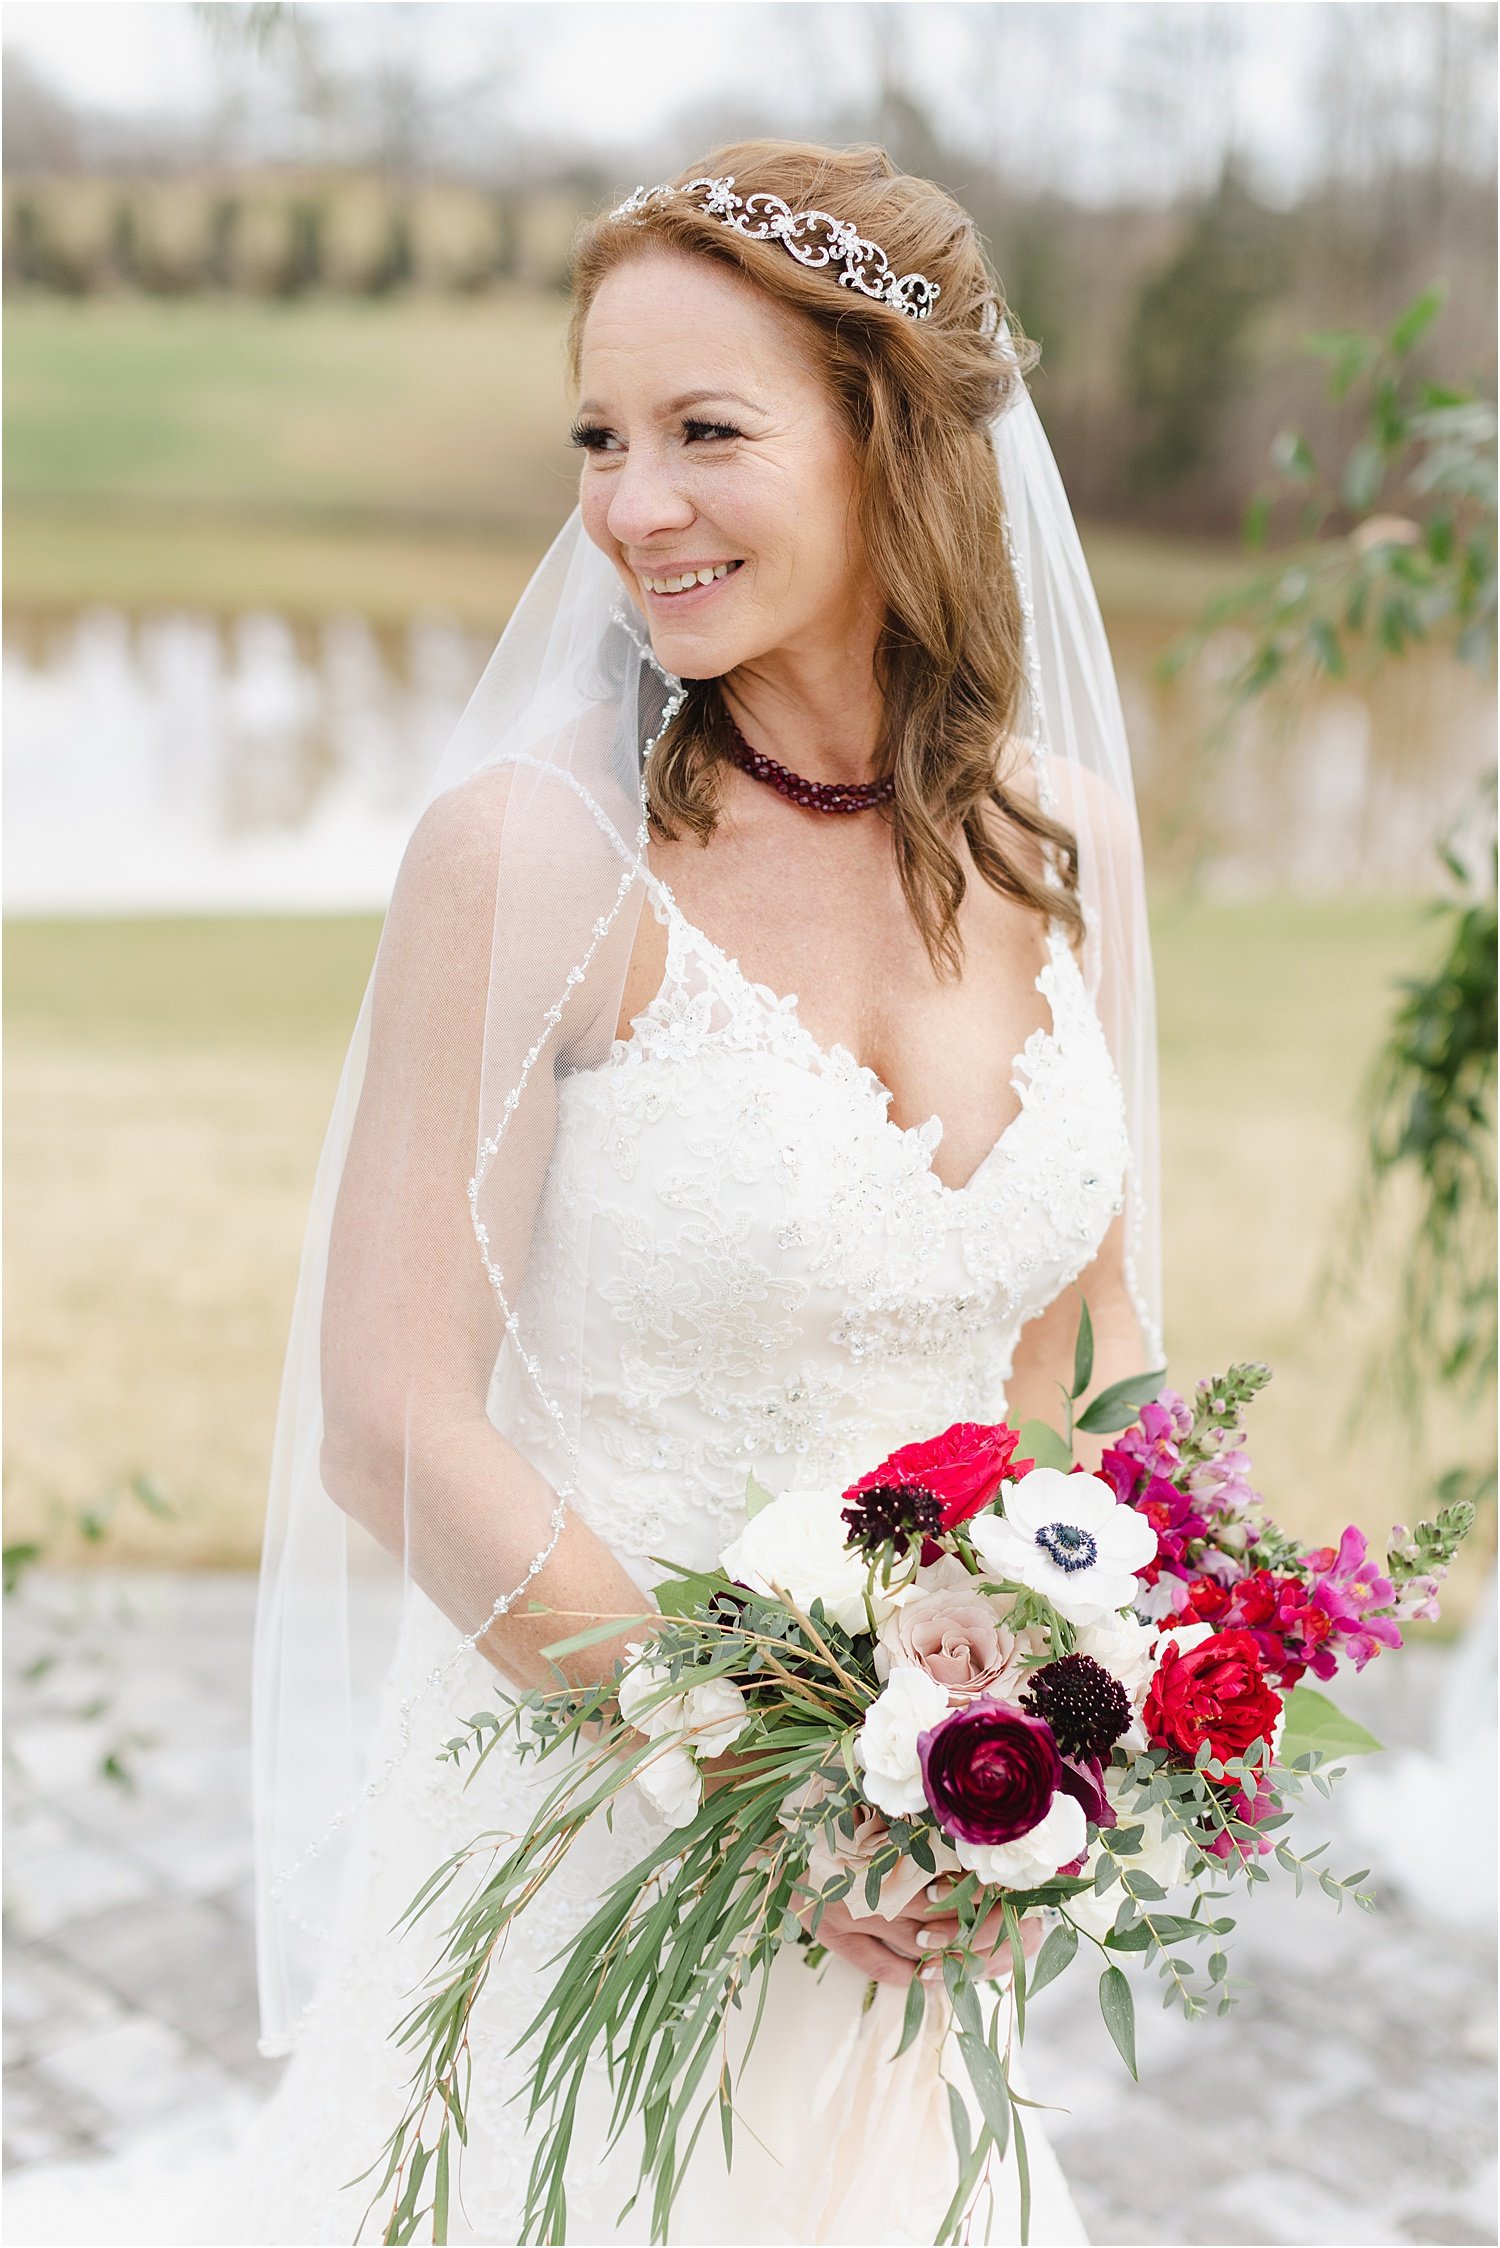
285	423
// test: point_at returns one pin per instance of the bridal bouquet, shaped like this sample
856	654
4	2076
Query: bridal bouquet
1060	1695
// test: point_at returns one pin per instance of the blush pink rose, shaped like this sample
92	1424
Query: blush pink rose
956	1636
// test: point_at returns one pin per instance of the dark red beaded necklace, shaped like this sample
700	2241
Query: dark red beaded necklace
813	796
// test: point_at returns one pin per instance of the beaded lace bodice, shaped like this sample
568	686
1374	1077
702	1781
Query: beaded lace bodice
772	1275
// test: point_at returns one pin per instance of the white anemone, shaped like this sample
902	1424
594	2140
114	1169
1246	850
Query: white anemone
1069	1537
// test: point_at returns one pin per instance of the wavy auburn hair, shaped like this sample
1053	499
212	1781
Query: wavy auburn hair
917	398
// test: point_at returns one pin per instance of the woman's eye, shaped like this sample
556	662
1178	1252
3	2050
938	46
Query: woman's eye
592	437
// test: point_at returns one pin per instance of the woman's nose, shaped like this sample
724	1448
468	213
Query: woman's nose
646	498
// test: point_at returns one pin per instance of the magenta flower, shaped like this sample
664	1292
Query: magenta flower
1350	1590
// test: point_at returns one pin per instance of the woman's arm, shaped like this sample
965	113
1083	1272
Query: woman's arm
1043	1370
411	1324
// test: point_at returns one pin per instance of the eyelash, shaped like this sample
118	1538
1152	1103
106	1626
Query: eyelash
590	436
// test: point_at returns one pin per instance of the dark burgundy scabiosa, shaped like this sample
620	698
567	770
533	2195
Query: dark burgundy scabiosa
990	1771
1086	1708
892	1514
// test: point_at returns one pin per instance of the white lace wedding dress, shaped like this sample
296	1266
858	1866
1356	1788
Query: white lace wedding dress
777	1280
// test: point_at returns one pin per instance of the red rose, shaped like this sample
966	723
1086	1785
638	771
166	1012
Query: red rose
1215	1692
963	1468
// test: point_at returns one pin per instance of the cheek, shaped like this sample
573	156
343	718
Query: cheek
593	506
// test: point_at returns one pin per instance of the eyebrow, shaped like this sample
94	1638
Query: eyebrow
688	398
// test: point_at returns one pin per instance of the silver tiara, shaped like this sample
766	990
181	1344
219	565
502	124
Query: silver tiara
812	237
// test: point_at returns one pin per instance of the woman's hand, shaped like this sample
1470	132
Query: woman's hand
892	1951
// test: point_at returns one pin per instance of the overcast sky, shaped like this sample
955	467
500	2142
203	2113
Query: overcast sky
615	74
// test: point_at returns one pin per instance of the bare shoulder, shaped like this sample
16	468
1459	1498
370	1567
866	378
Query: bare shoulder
1102	820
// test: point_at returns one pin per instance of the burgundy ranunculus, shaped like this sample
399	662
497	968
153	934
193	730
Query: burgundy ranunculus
990	1771
963	1468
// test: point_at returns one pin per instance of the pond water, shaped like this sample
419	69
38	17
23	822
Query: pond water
180	763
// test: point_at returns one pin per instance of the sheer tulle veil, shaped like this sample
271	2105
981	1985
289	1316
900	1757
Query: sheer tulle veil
500	970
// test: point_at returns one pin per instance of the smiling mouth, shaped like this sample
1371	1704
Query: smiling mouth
683	585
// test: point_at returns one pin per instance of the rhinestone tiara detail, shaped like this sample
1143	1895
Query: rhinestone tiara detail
812	237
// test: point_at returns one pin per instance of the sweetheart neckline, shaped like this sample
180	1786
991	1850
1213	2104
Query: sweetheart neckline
838	1058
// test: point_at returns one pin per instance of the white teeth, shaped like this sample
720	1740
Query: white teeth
692	577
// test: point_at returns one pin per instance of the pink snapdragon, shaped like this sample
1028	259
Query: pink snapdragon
1350	1589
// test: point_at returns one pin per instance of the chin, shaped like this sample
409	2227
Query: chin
690	655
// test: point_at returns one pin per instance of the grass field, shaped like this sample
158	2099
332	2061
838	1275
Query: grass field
329	454
168	1087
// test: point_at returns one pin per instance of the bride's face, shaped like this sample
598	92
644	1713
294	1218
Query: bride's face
713	447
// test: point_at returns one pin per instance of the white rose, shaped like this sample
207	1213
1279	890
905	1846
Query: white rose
797	1547
668	1778
886	1744
1069	1537
702	1720
1129	1651
1033	1857
714	1716
1125	1647
638	1683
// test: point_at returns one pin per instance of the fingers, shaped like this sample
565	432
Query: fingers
869	1955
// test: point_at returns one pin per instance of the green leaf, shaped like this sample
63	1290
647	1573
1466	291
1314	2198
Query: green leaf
1315	1726
911	2021
1416	319
1137	1937
1325	641
756	1497
958	2116
1117	1406
1364	473
1118	2009
961	1993
440	2192
1290	455
1083	1350
1055	1955
987	2075
594	1635
1043	1446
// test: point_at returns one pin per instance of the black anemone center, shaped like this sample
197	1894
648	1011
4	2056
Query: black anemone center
1067	1545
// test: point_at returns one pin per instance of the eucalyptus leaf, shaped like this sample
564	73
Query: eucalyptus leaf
1055	1955
1118	2008
911	2022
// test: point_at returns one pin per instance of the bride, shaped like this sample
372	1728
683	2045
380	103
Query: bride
758	1053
